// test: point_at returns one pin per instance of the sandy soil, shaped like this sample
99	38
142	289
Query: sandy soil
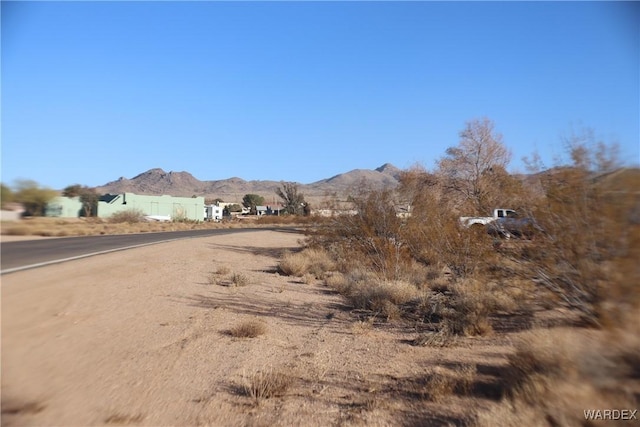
140	337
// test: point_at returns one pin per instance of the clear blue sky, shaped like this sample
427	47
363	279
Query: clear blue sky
301	91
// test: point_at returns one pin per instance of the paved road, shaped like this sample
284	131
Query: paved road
22	255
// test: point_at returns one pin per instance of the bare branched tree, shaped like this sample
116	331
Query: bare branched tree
467	169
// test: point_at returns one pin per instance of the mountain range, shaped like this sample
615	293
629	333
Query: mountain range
158	182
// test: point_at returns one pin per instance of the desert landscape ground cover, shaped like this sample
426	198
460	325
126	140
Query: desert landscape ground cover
211	332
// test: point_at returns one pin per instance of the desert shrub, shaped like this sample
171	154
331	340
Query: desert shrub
239	279
466	307
441	383
223	270
266	384
558	374
212	279
380	296
248	329
441	339
369	235
293	264
130	216
337	281
435	238
313	261
587	255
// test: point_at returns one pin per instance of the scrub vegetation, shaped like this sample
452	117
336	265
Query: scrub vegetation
577	269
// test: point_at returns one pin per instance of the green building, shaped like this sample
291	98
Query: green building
155	207
64	207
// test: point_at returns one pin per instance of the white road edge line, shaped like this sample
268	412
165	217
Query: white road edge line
61	260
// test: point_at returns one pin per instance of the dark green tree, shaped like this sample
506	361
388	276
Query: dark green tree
231	208
250	201
292	199
6	196
33	197
88	197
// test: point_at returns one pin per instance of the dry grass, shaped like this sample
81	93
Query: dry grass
248	329
441	383
315	262
130	216
442	338
212	279
556	375
56	227
266	384
380	296
239	279
464	307
294	264
362	327
223	270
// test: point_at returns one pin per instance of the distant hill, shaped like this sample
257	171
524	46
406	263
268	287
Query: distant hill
157	182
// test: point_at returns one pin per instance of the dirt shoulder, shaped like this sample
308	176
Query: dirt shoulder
141	337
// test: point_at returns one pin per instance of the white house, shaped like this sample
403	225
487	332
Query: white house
213	212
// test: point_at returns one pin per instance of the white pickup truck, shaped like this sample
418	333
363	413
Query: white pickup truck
468	221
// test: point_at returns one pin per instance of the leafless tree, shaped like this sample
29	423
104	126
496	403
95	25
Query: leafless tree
468	169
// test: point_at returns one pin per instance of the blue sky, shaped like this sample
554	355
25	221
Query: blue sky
301	91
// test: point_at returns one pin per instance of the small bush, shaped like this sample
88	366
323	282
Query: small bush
466	306
442	338
559	373
239	279
223	270
310	261
212	279
441	383
248	329
266	384
130	216
294	264
381	296
336	281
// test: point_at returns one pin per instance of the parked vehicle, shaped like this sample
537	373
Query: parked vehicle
509	227
468	221
504	223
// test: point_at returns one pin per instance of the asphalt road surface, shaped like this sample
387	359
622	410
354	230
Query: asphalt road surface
22	255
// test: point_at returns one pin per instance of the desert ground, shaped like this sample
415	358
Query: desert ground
148	337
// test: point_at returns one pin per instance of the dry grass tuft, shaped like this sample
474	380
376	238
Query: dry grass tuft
380	296
470	302
362	327
441	383
223	270
248	329
443	338
239	279
293	264
556	375
266	384
312	261
131	216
